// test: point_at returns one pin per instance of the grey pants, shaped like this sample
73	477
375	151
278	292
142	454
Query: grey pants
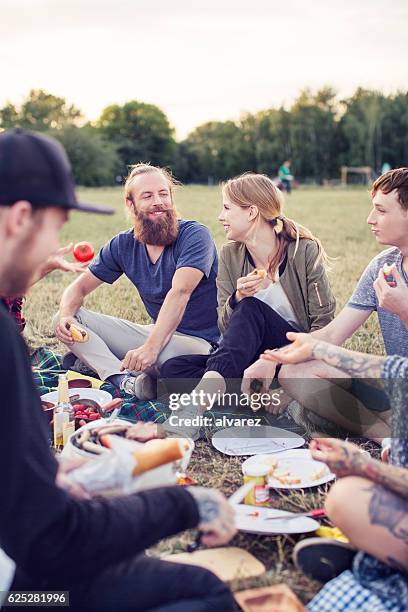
111	338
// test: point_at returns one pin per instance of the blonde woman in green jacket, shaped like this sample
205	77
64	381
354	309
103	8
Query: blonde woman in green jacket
272	279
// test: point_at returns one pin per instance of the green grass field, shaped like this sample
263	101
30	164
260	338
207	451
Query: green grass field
336	216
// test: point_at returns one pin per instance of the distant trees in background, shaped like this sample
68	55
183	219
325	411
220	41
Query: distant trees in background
318	133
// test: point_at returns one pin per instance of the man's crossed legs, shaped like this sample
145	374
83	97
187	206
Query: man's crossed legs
111	338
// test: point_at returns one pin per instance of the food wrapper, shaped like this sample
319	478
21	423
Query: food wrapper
110	471
118	469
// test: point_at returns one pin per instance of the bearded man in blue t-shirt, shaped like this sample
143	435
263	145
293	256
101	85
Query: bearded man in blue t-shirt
173	264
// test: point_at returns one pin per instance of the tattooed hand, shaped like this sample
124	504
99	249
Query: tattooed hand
343	458
216	516
306	346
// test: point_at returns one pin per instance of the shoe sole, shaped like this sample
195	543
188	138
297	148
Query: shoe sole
323	558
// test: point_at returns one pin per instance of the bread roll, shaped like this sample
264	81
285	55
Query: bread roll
78	334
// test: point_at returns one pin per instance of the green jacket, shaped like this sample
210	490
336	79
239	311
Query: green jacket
307	286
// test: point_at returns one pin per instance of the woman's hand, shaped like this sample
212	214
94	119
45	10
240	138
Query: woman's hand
300	350
343	458
248	285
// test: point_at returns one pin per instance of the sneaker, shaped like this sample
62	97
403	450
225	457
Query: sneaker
175	428
71	362
143	386
323	558
312	423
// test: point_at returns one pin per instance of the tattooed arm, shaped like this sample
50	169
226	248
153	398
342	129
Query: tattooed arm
346	459
356	364
305	347
216	516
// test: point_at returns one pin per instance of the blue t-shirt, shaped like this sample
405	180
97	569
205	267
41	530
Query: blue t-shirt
193	248
393	329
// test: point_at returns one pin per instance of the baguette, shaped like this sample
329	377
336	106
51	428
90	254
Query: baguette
158	452
153	453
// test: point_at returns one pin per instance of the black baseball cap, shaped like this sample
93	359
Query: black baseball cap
35	167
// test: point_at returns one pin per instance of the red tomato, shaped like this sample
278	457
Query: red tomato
79	407
81	415
83	251
94	416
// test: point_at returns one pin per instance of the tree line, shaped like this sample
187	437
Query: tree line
318	133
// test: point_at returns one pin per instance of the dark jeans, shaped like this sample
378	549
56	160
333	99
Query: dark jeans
143	583
286	185
254	327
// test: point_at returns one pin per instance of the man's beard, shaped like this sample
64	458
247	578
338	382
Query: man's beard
160	232
15	283
17	270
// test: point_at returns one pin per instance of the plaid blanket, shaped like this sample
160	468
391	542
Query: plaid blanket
47	365
371	586
15	308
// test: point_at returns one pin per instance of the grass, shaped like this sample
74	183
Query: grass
337	217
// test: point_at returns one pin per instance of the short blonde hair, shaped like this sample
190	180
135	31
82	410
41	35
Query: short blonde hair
136	170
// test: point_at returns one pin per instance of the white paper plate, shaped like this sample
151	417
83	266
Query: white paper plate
299	462
98	395
240	441
257	524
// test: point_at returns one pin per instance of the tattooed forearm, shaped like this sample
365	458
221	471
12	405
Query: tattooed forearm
390	476
355	364
208	505
389	511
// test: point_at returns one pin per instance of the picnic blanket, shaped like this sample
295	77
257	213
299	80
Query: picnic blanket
47	365
370	586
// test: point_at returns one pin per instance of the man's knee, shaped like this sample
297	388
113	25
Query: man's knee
338	507
250	306
290	371
171	368
306	370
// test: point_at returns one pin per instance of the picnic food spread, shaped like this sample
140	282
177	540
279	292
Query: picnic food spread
291	469
122	458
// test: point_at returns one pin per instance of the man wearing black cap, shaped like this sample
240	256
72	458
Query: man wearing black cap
56	540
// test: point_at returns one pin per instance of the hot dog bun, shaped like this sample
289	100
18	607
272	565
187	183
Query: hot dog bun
78	334
260	272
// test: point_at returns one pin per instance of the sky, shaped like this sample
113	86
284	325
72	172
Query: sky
199	61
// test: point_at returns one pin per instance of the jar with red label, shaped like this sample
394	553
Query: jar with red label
259	494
